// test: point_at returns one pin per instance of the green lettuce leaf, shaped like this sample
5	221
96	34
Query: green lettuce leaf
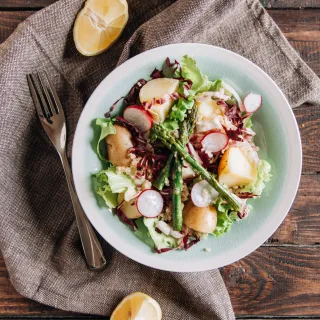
178	113
215	85
248	122
142	233
226	217
102	188
180	109
263	175
191	71
160	240
170	124
107	128
120	183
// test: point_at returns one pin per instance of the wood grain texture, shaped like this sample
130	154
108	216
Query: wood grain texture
273	280
302	29
277	4
296	25
9	21
281	280
284	4
25	3
301	226
308	118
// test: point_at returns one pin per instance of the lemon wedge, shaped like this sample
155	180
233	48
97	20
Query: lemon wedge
137	306
99	24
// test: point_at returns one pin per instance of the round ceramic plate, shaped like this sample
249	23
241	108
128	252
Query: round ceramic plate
277	137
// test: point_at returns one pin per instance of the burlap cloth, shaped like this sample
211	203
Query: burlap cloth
38	234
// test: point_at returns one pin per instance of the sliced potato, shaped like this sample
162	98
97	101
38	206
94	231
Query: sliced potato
200	219
159	88
235	169
118	146
129	208
207	108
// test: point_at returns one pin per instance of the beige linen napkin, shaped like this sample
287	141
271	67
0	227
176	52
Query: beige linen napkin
38	234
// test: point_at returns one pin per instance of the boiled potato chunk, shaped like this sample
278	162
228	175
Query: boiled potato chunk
207	108
159	88
200	219
235	169
128	207
118	145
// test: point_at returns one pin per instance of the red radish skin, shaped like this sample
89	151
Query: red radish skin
139	117
214	142
149	203
252	102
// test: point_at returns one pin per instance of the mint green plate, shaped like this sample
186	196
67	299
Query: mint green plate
277	136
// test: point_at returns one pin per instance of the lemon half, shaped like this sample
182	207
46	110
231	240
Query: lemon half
137	306
99	24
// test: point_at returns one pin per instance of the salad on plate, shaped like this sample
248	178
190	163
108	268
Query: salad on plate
180	160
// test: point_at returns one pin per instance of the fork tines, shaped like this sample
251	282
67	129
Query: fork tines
44	95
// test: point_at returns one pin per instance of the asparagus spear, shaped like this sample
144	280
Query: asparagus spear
186	129
176	195
187	126
164	174
173	144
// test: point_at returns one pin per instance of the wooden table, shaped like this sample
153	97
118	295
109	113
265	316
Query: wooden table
281	278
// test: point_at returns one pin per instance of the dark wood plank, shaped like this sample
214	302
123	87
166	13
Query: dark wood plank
284	4
278	4
302	29
298	24
276	281
9	21
273	280
308	118
301	226
25	3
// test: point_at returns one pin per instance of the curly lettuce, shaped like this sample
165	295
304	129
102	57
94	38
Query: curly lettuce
226	217
121	183
263	175
178	113
102	188
108	183
161	241
190	70
107	128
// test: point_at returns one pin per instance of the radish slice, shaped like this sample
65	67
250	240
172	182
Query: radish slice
139	117
214	142
193	152
150	203
252	102
202	194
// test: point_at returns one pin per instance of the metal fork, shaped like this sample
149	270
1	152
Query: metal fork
53	121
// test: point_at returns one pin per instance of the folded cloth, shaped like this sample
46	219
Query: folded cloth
38	234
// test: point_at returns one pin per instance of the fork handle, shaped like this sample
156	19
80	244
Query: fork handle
90	243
